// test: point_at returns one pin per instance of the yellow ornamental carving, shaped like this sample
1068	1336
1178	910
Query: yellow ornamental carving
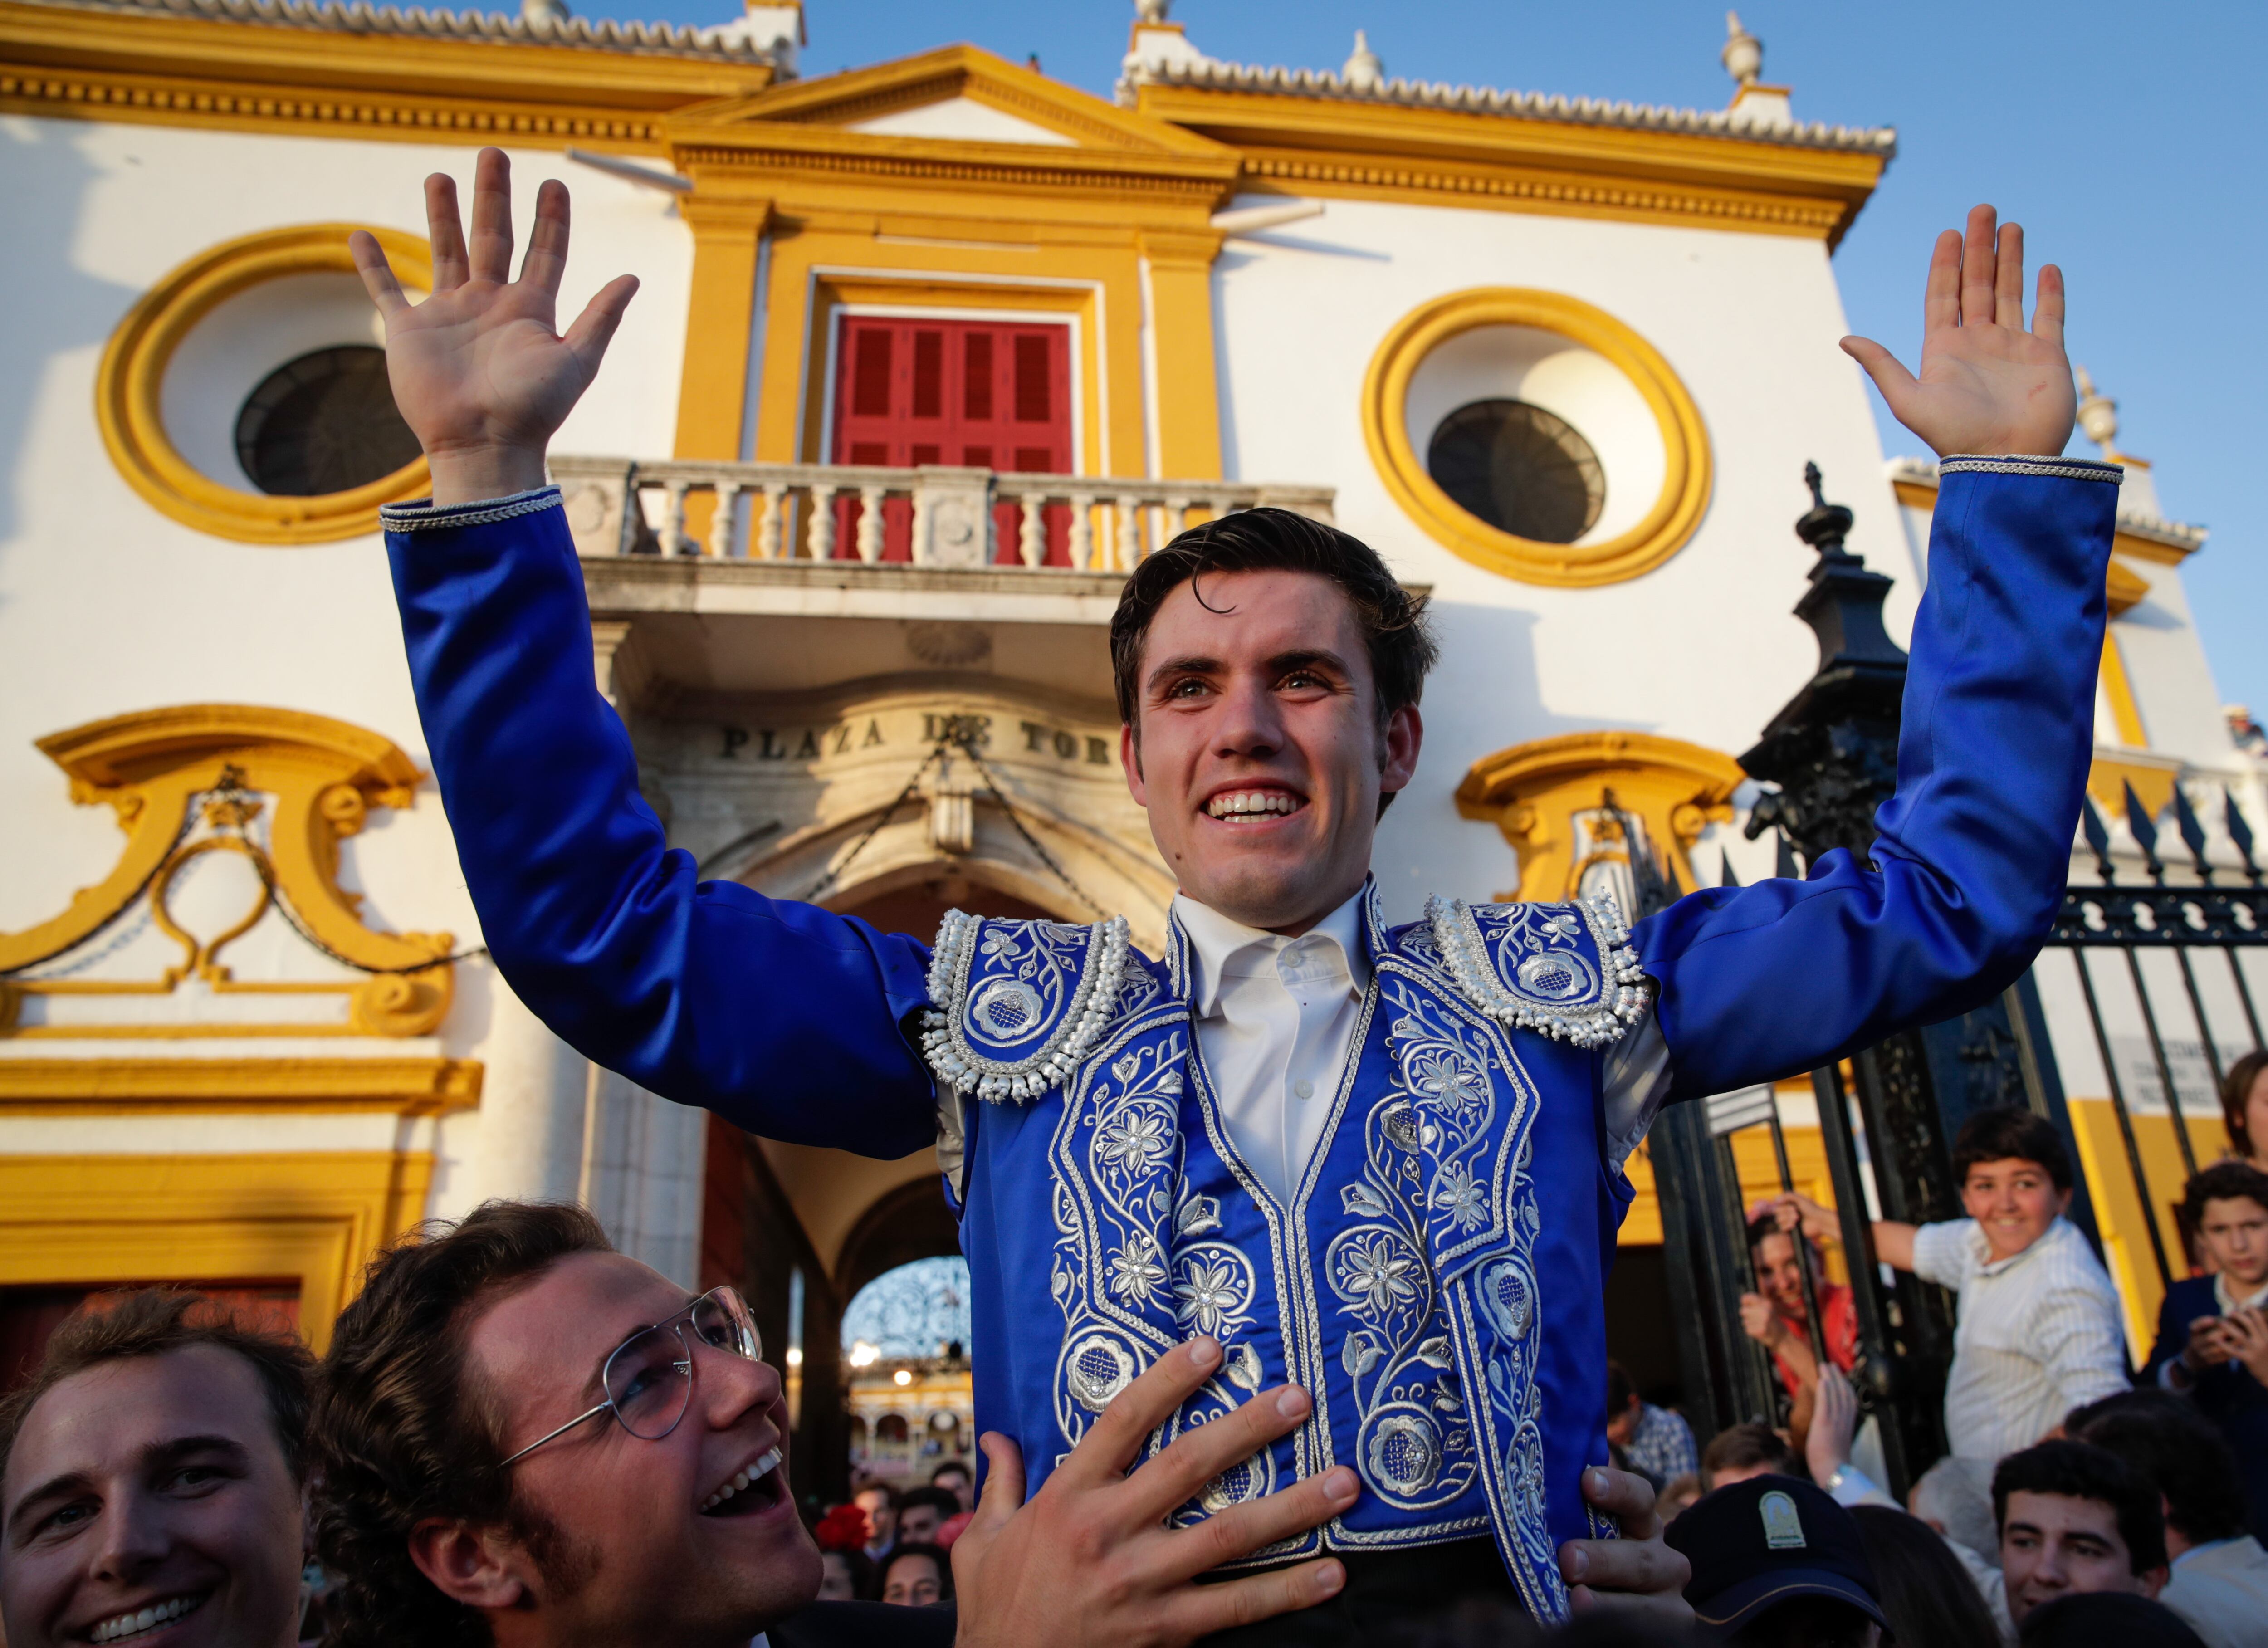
280	789
1555	800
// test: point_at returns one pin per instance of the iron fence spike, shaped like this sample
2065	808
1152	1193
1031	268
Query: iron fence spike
2185	820
2239	832
2098	837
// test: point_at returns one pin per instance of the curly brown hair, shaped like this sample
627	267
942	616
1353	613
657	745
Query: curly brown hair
401	1434
150	1321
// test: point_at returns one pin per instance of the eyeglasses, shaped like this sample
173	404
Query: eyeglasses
648	1378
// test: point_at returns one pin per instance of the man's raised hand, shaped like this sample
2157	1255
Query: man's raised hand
479	374
1987	385
1091	1559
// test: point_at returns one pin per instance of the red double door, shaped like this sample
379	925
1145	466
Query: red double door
985	394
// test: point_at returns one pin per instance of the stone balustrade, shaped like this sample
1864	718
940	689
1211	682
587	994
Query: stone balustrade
929	517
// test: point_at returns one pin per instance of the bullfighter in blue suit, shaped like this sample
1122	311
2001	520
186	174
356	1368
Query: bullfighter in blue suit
1383	1164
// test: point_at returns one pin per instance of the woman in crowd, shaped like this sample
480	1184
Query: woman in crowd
2244	1107
1923	1588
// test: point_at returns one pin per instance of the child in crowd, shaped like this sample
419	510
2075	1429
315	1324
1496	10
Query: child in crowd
2039	1331
2212	1330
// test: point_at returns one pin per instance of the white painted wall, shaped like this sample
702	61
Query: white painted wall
1703	648
108	607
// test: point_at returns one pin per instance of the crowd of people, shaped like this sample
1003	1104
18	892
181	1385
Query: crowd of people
2077	1500
519	1436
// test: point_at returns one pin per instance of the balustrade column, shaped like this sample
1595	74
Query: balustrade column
819	536
766	536
1130	533
1082	531
673	539
870	523
722	524
1032	539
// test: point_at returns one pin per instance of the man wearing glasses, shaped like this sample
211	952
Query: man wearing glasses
527	1437
1384	1162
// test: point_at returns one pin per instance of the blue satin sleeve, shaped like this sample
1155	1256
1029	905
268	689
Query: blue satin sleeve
784	1019
1974	848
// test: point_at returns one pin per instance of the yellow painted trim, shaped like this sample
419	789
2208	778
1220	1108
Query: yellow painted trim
317	1217
145	68
1915	494
1182	327
1686	463
129	389
1533	792
2124	588
323	775
2152	776
2118	1213
713	390
302	1086
2151	550
2118	687
1343	148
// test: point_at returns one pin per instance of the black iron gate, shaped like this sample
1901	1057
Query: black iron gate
1888	1114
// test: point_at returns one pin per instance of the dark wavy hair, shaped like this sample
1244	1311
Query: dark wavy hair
401	1434
2080	1470
2010	1133
113	1327
1927	1595
1395	633
2176	1450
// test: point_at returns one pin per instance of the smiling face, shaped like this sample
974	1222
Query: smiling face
1779	1274
2235	1232
912	1581
147	1502
2014	1201
691	1539
2055	1545
1260	757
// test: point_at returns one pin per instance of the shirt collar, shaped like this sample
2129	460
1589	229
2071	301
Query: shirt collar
1220	948
1988	1265
2229	1301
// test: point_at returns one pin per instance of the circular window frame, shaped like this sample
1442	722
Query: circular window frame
1687	468
129	387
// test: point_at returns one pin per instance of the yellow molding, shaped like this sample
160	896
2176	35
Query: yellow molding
1534	791
1345	148
324	776
713	388
129	389
2152	776
146	69
954	71
301	1086
2126	589
1915	493
1181	331
2141	549
315	1217
2126	710
2119	1212
1686	464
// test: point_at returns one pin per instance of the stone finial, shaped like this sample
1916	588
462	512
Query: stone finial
1743	56
1152	11
2098	414
1363	72
543	11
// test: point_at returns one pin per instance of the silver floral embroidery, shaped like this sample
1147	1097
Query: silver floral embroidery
1212	1288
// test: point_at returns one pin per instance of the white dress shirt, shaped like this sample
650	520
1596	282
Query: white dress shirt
2040	1334
2222	1589
1275	1021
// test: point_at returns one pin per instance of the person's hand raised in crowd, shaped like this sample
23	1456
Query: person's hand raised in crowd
2206	1348
1834	1421
1793	1208
479	372
1761	1323
1987	385
1091	1558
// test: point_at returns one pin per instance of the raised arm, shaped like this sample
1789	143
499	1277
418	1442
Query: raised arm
1972	851
783	1018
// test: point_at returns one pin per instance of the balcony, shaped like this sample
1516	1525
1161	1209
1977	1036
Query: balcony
721	577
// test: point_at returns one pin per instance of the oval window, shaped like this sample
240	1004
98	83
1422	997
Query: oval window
323	423
1521	469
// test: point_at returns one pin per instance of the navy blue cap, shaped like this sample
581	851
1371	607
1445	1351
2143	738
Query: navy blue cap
1759	1542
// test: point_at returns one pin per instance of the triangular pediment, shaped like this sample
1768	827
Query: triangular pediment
958	95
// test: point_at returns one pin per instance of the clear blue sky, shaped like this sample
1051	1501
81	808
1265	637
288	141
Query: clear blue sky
2125	138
